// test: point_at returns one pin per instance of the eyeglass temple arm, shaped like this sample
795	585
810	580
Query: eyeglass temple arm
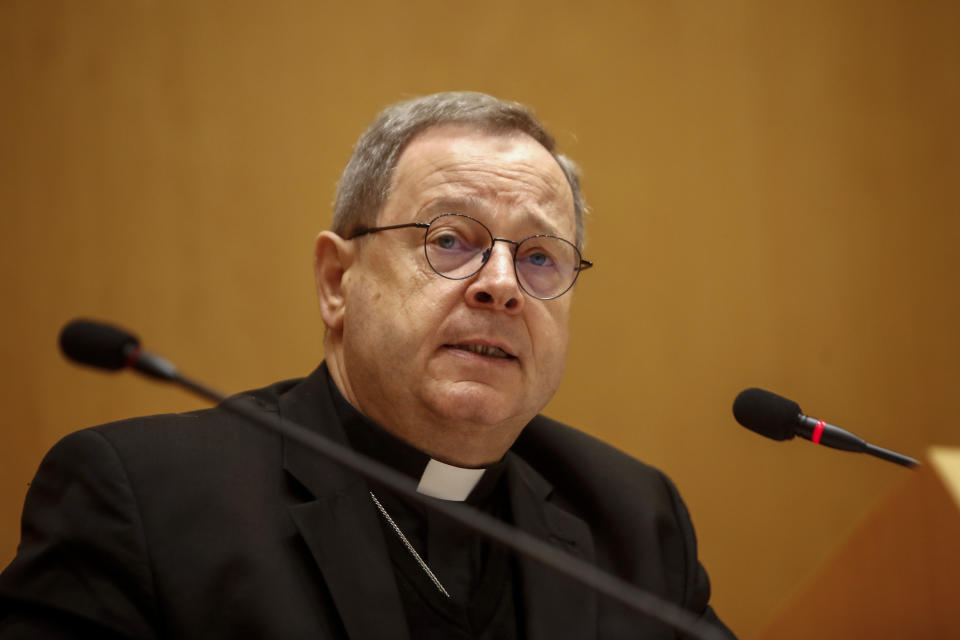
584	265
362	231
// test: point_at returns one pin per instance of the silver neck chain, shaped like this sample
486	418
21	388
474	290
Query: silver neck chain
406	543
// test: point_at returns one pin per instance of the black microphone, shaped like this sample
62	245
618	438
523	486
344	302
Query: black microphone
777	417
104	346
97	345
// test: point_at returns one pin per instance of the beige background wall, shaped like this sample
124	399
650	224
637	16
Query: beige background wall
775	196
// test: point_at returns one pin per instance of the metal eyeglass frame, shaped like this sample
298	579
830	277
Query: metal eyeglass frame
583	264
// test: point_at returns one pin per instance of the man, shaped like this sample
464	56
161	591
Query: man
445	291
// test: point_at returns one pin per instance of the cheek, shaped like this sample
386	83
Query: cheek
551	342
558	361
402	317
558	323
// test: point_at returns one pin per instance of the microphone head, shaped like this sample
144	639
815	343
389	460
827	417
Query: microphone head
766	413
96	344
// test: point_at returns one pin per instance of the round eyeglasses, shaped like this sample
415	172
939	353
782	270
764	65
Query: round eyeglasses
457	246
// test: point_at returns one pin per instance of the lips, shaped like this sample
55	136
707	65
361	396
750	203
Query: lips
483	350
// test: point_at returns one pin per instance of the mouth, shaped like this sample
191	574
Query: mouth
483	350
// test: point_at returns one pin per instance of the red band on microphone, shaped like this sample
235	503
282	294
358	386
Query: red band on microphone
817	432
133	357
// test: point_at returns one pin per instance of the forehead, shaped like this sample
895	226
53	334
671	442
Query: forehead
506	176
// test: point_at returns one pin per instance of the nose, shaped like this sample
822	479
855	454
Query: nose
495	286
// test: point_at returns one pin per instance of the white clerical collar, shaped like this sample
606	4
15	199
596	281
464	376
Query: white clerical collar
447	482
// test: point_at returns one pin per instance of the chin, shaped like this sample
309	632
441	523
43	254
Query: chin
476	403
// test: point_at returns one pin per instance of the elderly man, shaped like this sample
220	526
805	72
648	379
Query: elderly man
445	291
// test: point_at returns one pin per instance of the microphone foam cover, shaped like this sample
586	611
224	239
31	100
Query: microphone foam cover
766	413
97	344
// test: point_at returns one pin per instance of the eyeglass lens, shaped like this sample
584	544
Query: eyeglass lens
458	246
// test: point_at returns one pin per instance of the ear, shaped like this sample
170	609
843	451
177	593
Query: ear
332	257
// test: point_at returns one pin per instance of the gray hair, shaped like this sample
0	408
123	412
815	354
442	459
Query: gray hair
365	183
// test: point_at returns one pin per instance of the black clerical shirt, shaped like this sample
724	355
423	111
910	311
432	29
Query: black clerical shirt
478	576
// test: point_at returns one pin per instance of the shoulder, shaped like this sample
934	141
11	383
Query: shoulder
155	463
640	525
179	436
118	511
633	507
576	461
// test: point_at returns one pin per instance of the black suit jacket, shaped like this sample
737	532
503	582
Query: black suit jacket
200	525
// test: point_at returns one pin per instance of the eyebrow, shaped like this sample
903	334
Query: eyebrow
473	206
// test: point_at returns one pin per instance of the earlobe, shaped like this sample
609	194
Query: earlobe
332	257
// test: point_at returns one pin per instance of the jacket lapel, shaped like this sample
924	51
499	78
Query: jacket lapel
554	606
341	528
340	524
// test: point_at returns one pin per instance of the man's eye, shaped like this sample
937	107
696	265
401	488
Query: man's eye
447	241
539	259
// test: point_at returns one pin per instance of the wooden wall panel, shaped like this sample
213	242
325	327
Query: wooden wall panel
774	193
